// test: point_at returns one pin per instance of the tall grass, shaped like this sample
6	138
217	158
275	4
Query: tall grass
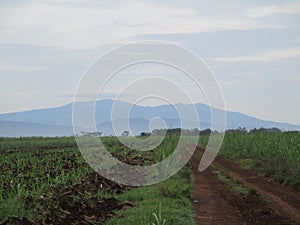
276	154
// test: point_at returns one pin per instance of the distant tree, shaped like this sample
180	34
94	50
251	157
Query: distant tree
274	130
174	131
243	130
266	130
205	132
158	132
194	131
144	134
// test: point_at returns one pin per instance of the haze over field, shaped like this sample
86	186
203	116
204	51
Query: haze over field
253	48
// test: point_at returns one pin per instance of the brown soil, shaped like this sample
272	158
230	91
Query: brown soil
69	205
215	203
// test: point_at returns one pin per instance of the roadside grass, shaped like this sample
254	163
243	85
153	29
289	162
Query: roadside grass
172	195
274	154
234	184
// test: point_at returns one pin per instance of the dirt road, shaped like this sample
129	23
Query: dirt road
216	203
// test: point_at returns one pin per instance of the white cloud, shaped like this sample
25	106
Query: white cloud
88	25
269	10
270	56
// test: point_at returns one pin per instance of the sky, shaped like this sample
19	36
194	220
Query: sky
252	47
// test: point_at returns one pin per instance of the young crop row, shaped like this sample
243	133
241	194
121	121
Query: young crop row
45	179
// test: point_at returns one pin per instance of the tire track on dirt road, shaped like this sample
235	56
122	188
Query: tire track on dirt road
215	203
284	201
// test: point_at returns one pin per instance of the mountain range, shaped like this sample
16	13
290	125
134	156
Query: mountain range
58	121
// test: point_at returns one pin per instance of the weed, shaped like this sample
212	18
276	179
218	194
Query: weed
158	217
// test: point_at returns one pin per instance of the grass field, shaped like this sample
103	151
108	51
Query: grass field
46	180
275	154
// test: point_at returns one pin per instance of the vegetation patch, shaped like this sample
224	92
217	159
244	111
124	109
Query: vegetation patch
47	181
234	184
271	152
170	199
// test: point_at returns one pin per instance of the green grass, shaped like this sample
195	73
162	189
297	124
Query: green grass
35	171
33	174
173	195
275	154
234	184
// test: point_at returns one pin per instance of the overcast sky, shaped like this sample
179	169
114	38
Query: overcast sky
253	48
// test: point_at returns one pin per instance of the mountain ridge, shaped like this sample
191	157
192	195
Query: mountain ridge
60	118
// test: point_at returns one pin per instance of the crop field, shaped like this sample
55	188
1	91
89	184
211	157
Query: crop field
47	181
274	154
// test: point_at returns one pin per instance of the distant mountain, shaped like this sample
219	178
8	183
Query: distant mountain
58	121
17	129
50	116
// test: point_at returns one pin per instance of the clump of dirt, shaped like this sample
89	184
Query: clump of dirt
77	204
80	212
74	206
17	221
75	212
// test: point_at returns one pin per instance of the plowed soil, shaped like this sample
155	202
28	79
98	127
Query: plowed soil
215	203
